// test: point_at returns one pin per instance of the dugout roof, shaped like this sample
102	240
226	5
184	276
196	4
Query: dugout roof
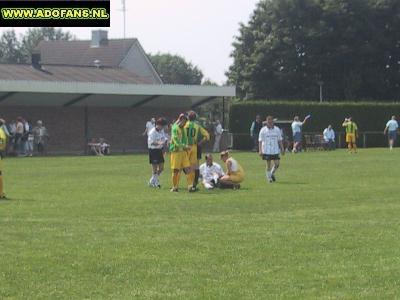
107	94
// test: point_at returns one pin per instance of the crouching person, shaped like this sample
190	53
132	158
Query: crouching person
210	173
234	172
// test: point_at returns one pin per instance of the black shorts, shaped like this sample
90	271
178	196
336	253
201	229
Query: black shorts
199	152
269	157
156	156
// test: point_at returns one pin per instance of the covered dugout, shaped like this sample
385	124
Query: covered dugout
115	107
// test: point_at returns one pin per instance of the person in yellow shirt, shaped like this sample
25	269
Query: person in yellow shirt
193	132
3	147
179	156
234	174
351	134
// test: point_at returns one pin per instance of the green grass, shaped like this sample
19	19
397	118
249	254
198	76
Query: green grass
89	227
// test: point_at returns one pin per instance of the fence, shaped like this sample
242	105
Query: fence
366	139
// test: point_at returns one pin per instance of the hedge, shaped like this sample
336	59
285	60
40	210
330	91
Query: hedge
368	116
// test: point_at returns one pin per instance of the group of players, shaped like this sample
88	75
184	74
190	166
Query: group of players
184	145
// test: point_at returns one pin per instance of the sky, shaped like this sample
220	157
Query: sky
200	31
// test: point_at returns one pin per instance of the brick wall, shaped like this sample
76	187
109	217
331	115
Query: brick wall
121	127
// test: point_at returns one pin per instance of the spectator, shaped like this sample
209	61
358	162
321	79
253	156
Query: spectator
210	173
149	126
296	129
329	137
104	147
40	138
391	127
29	141
3	147
218	130
12	128
255	131
19	132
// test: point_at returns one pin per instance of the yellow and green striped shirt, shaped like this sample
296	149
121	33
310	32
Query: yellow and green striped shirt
351	127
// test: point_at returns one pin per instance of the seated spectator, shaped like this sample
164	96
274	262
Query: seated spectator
234	172
329	137
104	147
210	173
94	147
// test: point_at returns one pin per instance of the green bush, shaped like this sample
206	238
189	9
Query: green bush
368	116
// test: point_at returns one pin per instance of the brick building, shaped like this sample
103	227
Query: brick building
92	89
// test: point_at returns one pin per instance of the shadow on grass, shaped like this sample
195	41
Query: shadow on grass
16	200
291	183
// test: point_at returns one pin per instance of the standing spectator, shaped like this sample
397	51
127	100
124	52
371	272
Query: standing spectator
351	134
40	138
12	128
392	126
3	147
296	129
218	130
29	142
149	126
255	131
19	132
329	137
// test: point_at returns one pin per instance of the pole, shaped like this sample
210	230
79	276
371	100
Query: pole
223	112
86	127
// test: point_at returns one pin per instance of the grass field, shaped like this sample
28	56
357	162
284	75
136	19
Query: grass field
89	227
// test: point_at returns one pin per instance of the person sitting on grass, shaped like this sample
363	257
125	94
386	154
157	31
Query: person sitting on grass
234	172
210	173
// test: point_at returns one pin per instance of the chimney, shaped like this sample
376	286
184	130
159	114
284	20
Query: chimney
35	59
99	38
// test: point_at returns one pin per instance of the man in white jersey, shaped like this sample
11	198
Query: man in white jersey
149	126
391	127
270	146
210	173
156	141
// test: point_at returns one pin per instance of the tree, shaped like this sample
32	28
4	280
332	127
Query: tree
289	47
14	50
34	36
174	69
10	48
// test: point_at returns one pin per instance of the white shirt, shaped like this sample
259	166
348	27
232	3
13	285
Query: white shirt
218	129
296	126
269	139
149	126
329	134
234	164
392	125
155	136
208	173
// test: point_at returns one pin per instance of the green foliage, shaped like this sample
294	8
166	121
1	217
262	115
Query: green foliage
368	116
288	46
90	228
19	50
174	69
10	48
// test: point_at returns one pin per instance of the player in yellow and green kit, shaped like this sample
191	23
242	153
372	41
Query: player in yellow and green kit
351	134
179	155
194	131
3	147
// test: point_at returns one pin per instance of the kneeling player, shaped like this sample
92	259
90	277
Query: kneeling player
270	146
156	141
210	173
234	172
